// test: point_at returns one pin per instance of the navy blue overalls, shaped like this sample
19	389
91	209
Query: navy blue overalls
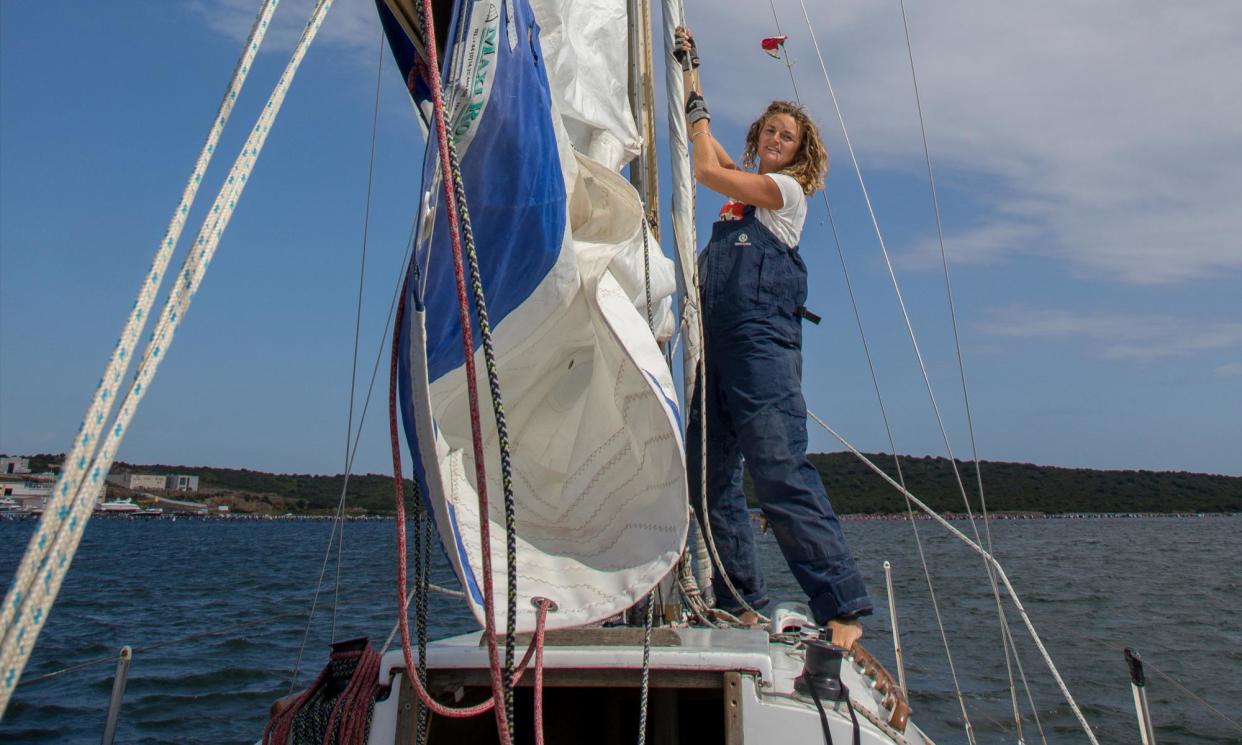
752	287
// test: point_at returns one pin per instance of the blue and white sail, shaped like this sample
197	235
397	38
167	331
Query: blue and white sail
592	413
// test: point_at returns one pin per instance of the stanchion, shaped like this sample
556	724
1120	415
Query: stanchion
892	614
1138	684
118	692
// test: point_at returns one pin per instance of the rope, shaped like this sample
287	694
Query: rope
502	685
403	626
353	706
502	432
543	604
645	685
349	717
28	602
888	430
74	469
422	532
647	269
987	557
690	592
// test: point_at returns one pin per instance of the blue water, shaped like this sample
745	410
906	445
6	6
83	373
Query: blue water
1169	587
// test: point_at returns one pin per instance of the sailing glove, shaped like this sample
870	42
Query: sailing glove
687	53
696	108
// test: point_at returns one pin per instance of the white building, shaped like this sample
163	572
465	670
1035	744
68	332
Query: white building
14	466
33	491
138	481
180	482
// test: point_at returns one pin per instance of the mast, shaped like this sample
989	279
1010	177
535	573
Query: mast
644	174
682	205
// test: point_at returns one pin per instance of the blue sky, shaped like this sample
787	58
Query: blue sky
1089	165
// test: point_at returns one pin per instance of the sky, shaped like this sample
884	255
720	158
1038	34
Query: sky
1088	163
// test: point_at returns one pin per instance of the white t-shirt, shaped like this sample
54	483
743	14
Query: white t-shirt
785	223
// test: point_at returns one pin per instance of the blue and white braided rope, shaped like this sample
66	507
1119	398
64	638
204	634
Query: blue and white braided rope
38	580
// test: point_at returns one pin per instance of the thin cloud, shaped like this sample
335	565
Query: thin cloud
1118	336
350	23
1231	370
1106	133
986	244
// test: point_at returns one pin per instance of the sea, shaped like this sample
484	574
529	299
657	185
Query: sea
219	613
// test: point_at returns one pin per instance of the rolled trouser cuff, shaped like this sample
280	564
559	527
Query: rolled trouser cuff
847	600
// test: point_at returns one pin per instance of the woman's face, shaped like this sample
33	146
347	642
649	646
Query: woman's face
779	139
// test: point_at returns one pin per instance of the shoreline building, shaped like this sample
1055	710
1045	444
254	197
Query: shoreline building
157	482
14	466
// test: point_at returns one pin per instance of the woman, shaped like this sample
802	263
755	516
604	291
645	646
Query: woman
752	286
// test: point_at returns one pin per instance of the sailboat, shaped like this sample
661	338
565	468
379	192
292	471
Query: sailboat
544	420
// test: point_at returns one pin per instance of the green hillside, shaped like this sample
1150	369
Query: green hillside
1023	487
854	489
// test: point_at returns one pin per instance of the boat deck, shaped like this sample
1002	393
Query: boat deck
707	685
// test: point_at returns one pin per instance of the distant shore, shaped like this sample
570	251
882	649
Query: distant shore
756	515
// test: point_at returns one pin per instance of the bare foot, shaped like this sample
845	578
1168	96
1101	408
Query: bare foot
749	618
845	632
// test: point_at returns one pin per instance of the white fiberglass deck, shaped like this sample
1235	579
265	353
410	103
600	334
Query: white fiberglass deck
751	674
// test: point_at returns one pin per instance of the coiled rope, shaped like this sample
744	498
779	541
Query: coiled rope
53	545
350	714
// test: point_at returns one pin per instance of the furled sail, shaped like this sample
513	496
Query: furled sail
592	413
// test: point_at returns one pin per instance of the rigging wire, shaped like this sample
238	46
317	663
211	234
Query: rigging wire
151	647
906	316
1006	640
379	356
1236	724
353	367
987	557
1025	685
875	383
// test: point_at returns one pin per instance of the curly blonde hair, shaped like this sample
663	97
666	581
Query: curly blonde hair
810	163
